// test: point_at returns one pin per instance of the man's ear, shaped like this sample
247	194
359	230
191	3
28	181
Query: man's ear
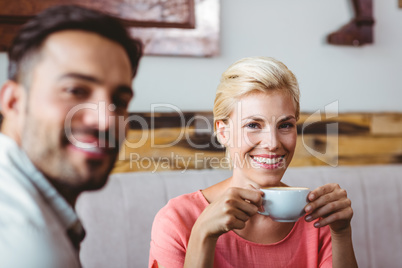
11	99
222	132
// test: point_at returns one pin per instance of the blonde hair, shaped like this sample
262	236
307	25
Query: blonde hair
250	75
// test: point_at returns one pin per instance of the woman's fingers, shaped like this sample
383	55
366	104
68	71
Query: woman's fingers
324	190
235	220
329	208
324	196
337	221
329	204
233	206
253	195
231	211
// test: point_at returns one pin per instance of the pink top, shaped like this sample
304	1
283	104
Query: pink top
304	246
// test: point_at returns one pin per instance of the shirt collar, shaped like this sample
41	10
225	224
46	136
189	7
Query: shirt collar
54	200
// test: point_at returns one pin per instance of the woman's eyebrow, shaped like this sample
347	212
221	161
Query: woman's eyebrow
289	117
261	119
254	118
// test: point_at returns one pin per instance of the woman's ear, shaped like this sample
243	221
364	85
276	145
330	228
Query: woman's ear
222	132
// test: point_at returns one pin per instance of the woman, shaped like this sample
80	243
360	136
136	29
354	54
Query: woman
255	113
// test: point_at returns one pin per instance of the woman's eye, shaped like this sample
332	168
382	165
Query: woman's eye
252	125
286	126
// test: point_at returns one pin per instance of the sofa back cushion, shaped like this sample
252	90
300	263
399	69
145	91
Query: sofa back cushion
118	219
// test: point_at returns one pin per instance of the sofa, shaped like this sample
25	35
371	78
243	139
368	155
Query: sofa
118	218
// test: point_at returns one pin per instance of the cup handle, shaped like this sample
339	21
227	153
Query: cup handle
263	213
262	207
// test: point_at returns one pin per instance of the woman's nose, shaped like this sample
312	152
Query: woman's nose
270	140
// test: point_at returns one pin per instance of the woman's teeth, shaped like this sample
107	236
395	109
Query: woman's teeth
269	161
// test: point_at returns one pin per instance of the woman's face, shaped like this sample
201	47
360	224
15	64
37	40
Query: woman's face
260	136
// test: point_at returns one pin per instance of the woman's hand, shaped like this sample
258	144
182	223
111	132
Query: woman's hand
230	211
331	204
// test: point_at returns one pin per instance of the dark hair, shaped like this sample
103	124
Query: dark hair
58	18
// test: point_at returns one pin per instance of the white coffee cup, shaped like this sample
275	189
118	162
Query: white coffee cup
284	204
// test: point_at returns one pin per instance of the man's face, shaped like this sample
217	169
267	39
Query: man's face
76	106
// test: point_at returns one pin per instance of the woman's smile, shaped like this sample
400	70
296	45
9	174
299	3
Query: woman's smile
268	161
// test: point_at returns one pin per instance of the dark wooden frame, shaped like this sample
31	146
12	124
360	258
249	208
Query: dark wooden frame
15	13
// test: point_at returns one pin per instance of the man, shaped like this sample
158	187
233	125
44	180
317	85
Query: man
70	75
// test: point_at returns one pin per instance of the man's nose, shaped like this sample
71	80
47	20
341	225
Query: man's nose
100	116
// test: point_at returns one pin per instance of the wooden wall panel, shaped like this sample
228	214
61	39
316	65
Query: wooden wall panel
363	139
386	124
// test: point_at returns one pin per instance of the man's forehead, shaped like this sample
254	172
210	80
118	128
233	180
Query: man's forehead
75	50
76	40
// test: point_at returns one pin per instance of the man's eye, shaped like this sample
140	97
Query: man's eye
120	103
77	91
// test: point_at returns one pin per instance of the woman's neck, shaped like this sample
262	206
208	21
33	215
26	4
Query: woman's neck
263	230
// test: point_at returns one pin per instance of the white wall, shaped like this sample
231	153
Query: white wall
363	79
